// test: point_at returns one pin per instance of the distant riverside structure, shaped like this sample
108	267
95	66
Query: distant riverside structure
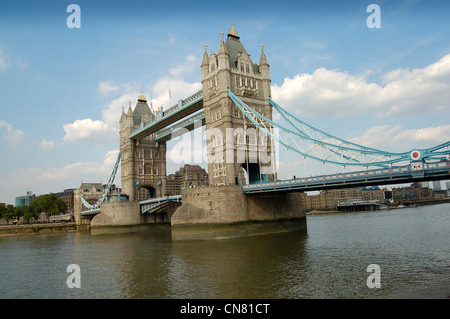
67	196
329	200
25	200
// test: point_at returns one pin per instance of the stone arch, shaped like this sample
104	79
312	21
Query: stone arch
146	192
252	172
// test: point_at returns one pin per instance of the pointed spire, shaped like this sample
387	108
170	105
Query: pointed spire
129	112
263	59
122	115
233	32
222	48
205	60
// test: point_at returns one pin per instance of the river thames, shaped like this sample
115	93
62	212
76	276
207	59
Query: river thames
329	259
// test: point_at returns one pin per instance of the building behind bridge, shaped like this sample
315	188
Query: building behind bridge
24	200
330	199
186	177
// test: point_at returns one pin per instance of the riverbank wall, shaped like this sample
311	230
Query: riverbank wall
35	229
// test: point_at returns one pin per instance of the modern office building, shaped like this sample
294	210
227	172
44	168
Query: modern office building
25	200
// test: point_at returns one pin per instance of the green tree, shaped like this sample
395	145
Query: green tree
2	210
49	204
9	213
26	212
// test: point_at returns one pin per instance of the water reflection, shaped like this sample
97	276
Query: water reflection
328	260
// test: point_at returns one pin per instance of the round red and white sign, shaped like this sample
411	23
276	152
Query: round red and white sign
415	155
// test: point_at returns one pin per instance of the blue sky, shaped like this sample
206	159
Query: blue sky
62	89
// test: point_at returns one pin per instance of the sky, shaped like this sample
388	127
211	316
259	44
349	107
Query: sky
62	89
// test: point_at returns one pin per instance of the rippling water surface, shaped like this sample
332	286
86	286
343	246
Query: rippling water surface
328	260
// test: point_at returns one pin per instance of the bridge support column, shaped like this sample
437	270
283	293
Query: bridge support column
117	214
82	223
219	212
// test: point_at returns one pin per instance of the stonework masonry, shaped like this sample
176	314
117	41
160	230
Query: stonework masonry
123	213
210	205
224	212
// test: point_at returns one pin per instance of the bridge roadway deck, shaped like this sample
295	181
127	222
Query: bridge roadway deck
385	176
177	112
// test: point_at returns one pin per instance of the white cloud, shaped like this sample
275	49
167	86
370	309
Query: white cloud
187	67
179	89
106	87
339	94
12	136
166	92
401	140
83	170
46	145
112	111
95	130
43	181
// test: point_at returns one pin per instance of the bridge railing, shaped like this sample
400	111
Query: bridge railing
399	174
183	124
147	205
181	105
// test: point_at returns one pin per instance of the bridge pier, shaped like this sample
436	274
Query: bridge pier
224	211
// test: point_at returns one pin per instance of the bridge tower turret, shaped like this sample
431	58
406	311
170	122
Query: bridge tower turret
143	162
237	152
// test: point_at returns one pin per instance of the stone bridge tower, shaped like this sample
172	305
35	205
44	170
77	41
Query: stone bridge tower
143	162
237	152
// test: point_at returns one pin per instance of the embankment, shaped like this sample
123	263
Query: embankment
34	229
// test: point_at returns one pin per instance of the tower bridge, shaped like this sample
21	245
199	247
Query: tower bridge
236	108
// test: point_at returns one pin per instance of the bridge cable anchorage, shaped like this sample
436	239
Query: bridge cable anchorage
106	189
311	142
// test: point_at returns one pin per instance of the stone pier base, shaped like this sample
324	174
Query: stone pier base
117	214
224	212
125	217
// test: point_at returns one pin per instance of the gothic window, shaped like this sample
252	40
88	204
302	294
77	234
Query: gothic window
242	67
251	139
138	154
240	137
247	68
